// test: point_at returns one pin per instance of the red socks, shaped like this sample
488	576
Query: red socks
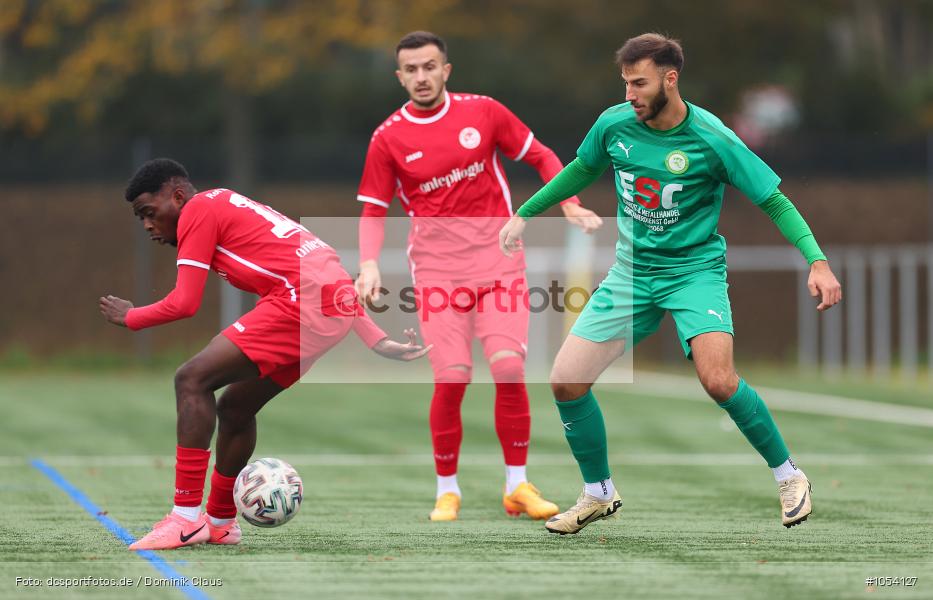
513	417
190	470
446	426
220	501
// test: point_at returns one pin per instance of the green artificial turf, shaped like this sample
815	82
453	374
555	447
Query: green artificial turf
700	516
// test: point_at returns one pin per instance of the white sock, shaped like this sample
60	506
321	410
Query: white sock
785	470
218	522
604	490
514	475
189	512
447	483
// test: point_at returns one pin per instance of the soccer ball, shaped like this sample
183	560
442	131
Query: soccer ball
268	492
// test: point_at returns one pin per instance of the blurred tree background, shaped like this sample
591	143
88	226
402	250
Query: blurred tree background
290	90
278	98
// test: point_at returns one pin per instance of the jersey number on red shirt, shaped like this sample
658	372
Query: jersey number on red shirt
282	226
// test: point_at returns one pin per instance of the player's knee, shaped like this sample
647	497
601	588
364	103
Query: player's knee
189	378
565	391
507	368
720	384
457	374
564	387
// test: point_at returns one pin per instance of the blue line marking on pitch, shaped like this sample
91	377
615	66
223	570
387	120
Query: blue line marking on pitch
113	527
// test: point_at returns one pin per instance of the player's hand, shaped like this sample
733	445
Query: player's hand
583	218
114	309
824	285
398	351
510	236
369	282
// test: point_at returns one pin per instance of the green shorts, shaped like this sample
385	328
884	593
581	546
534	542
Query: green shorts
630	306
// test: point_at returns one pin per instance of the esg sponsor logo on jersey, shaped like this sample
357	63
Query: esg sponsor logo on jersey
648	192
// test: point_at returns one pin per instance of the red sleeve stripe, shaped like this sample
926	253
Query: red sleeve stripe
521	155
411	263
372	200
192	263
401	193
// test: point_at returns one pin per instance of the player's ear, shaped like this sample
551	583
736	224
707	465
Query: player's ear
398	73
179	196
671	78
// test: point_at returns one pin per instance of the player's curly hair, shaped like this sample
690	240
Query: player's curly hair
663	50
152	175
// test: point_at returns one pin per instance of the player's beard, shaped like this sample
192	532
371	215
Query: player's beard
657	105
430	103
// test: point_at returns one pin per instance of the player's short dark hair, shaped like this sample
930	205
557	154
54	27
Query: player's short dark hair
664	51
150	177
420	39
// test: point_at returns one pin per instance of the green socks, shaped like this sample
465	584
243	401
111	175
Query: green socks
586	434
586	431
751	416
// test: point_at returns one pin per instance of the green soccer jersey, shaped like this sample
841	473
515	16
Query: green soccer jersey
670	185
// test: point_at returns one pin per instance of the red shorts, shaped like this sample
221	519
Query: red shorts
452	313
270	335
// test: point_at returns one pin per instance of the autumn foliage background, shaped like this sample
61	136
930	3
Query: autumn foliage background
277	98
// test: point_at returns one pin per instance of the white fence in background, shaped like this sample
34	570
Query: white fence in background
839	340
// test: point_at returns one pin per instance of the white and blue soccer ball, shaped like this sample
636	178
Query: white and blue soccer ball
268	492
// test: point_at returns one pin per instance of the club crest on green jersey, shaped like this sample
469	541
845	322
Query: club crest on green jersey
677	162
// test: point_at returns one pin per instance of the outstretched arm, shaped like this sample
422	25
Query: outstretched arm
545	161
572	179
407	351
376	340
822	283
181	303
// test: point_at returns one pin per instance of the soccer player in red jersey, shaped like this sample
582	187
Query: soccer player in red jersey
299	280
438	152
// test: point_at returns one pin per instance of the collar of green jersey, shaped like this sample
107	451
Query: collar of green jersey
676	128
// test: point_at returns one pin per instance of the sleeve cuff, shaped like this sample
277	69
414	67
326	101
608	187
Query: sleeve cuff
192	263
130	321
372	200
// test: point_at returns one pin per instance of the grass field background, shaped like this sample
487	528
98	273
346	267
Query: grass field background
700	516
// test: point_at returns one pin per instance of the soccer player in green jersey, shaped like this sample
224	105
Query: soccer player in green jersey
671	160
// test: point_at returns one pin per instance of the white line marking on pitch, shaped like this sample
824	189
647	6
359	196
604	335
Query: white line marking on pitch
688	388
549	460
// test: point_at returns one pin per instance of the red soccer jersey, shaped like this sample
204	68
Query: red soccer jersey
443	163
254	247
258	250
